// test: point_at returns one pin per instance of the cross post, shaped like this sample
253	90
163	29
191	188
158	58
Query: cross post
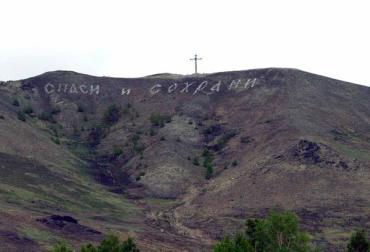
196	62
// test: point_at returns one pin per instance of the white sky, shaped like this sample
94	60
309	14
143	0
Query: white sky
141	37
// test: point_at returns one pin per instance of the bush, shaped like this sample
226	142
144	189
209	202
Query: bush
55	140
138	177
112	115
28	110
207	163
55	110
46	116
358	242
152	132
117	151
138	147
222	141
21	116
95	136
15	103
80	109
160	120
245	139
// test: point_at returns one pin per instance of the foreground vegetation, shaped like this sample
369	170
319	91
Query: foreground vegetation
110	244
279	232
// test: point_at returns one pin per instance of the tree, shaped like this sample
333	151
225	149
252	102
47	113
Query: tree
61	247
129	246
283	233
89	248
279	232
237	244
358	242
110	244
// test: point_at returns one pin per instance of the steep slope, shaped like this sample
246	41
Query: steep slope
179	161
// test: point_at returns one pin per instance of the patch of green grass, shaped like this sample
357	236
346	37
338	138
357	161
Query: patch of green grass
351	152
38	235
155	202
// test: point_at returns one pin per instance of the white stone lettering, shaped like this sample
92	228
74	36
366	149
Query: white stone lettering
201	86
49	88
216	87
186	88
250	83
73	89
155	89
83	89
234	84
94	89
172	88
126	91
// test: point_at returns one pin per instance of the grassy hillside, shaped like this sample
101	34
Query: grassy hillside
180	161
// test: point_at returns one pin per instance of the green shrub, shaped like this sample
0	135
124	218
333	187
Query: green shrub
117	151
207	163
159	120
55	110
234	163
152	132
55	140
137	145
46	116
95	135
21	116
111	115
15	103
80	109
28	110
138	177
358	242
61	247
238	243
110	244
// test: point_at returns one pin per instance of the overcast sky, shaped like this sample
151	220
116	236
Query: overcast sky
141	37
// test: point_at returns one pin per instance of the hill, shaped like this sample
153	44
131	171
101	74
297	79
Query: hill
179	161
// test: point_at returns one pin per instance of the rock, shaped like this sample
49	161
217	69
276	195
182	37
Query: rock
307	152
68	224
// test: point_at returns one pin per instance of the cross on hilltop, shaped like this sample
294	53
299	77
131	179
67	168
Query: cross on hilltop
196	62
